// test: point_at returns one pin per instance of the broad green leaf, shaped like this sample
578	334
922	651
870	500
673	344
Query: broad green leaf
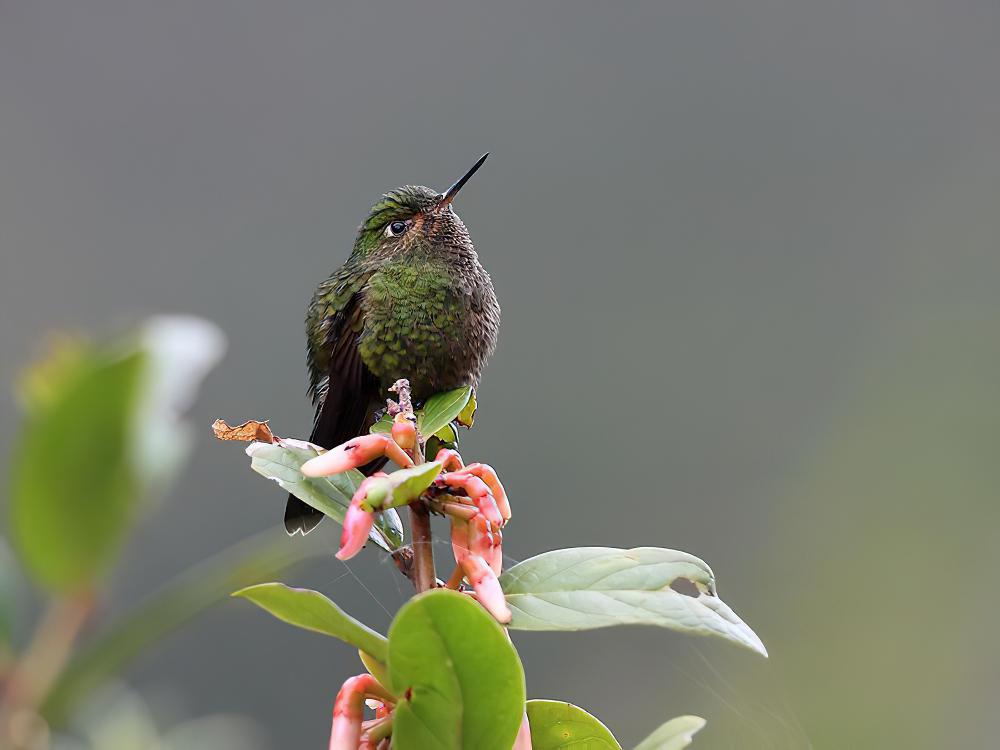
556	725
332	495
441	409
461	676
596	587
674	735
312	611
74	484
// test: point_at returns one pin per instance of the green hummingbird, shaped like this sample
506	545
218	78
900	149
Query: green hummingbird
412	301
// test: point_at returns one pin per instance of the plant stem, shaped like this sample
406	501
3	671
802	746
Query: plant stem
43	660
251	560
424	577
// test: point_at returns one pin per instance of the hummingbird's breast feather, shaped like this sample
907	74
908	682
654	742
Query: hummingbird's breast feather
430	320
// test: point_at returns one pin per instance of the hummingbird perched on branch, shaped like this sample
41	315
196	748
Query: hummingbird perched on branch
412	301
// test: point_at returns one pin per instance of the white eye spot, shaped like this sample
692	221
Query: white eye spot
396	228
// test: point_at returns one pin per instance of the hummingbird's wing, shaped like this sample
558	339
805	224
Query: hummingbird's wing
345	403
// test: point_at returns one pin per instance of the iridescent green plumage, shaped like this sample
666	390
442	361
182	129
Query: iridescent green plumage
414	305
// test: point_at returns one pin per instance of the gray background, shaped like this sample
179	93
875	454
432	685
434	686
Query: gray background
747	254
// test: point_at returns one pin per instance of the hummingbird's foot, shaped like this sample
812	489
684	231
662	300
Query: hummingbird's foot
349	729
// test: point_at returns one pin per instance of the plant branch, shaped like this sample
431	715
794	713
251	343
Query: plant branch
43	660
424	577
249	561
420	569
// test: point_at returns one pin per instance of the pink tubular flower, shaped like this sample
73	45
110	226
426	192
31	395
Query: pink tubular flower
404	434
523	741
358	520
478	492
487	587
357	526
450	459
354	453
489	476
349	710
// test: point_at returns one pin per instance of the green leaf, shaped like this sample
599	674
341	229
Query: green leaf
383	426
596	587
461	676
467	416
102	429
673	735
409	484
312	611
559	726
375	668
441	409
332	495
447	435
74	484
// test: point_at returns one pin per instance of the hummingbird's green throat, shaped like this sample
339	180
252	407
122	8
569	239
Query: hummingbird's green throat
412	301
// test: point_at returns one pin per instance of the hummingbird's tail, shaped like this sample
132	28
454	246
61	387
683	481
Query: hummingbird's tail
338	419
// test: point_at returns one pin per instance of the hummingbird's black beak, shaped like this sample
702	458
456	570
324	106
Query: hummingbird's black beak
449	195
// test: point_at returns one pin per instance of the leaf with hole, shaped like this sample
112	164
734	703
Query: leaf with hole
556	725
595	587
460	675
280	462
674	735
312	611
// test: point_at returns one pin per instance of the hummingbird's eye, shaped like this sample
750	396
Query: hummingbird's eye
396	228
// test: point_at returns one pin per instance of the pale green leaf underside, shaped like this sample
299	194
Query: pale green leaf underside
556	725
331	495
595	587
312	611
673	735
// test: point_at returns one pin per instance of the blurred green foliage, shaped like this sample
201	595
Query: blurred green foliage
102	435
74	485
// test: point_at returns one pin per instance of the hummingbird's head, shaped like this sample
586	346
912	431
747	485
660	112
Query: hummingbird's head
414	218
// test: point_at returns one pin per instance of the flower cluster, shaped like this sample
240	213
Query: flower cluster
472	497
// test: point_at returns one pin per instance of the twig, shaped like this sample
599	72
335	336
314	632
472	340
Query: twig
423	575
42	661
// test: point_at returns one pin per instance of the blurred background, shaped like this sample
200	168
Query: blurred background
748	258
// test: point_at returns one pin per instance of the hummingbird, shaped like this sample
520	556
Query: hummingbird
412	301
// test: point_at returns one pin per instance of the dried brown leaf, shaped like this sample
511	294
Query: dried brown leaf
250	431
